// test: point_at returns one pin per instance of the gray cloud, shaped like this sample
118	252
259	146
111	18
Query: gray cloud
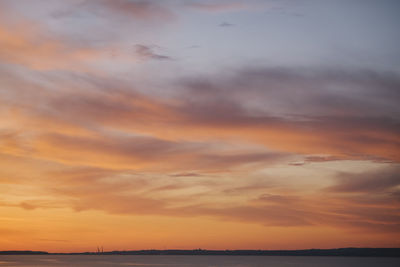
218	6
147	52
357	107
226	24
304	91
368	182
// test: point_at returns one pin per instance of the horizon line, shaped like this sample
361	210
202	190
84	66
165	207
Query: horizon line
201	249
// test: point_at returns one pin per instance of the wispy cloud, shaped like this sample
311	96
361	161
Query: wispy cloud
385	181
225	114
140	10
28	45
147	52
226	24
218	6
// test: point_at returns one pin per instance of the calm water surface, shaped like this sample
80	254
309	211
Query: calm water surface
194	261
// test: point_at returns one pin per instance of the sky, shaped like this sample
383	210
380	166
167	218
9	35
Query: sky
185	124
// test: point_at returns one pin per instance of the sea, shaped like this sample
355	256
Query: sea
192	261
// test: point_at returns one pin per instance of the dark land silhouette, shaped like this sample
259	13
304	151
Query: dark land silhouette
343	252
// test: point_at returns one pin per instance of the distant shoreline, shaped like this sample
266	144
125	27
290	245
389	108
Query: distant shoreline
342	252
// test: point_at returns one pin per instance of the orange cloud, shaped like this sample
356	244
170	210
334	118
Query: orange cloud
182	132
147	10
25	44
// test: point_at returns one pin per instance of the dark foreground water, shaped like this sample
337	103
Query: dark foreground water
193	261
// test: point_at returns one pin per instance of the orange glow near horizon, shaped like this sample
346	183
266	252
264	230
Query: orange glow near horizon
64	230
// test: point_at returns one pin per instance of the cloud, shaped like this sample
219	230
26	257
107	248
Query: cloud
30	43
145	153
267	209
27	206
303	91
208	110
273	198
127	192
186	174
139	10
146	52
111	145
26	45
277	101
226	24
225	6
250	189
385	180
94	189
218	6
106	151
33	41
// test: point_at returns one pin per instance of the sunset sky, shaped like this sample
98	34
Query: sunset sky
215	124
